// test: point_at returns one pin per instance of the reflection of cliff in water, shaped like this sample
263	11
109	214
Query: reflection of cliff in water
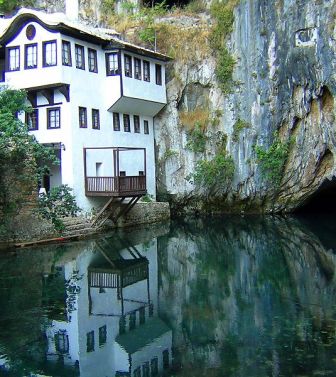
249	297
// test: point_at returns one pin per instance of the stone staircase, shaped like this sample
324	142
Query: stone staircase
77	226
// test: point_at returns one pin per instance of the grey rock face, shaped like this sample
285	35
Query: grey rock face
284	81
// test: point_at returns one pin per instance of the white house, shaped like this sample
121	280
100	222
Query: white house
94	98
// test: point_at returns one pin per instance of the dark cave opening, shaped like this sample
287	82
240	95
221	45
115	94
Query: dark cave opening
323	201
168	3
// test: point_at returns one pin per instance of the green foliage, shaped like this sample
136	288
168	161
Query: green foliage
147	198
169	153
8	6
195	6
107	6
238	127
222	13
196	139
213	174
272	160
57	204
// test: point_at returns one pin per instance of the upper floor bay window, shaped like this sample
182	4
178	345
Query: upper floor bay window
116	122
31	56
95	119
49	53
79	56
146	127
146	70
92	60
66	53
127	124
158	74
128	65
13	58
136	120
54	117
112	64
82	116
137	68
32	120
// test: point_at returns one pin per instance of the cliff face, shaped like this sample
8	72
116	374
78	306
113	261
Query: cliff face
283	81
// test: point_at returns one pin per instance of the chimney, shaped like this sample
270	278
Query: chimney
71	9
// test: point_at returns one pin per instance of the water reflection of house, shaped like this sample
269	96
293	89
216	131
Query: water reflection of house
111	326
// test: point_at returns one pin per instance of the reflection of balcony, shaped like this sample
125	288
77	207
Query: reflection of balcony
115	186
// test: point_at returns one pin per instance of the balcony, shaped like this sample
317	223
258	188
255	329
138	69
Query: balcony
115	186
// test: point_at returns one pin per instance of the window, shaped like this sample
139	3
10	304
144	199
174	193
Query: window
62	342
132	319
31	56
136	124
151	310
30	32
49	54
165	359
79	56
128	66
137	68
141	173
146	70
112	64
145	369
32	120
90	341
66	53
158	74
127	126
95	119
116	122
102	335
13	56
54	117
141	310
82	117
154	367
92	60
146	127
122	173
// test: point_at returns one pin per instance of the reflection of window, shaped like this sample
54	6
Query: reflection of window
13	58
127	126
154	367
141	310
92	60
137	372
102	335
54	117
128	66
146	71
82	117
49	54
95	119
146	128
137	68
165	359
112	64
151	310
62	342
31	56
66	53
136	124
32	120
79	56
145	369
116	122
132	319
122	325
90	341
158	74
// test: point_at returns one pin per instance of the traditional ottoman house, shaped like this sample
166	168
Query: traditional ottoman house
94	98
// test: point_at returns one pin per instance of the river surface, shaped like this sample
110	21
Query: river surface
241	297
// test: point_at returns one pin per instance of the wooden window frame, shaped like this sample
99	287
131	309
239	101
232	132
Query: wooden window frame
127	123
158	74
66	54
95	119
80	51
26	47
146	127
128	66
92	58
90	344
102	335
154	367
136	121
82	117
146	70
34	119
52	109
116	122
45	64
137	68
17	59
111	71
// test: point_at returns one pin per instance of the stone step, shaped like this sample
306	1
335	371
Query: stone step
77	226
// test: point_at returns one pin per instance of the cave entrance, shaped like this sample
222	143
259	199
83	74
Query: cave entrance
323	201
169	3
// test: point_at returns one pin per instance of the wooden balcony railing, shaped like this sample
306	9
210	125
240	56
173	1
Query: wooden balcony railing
115	186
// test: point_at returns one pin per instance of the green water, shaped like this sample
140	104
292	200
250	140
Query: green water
245	297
